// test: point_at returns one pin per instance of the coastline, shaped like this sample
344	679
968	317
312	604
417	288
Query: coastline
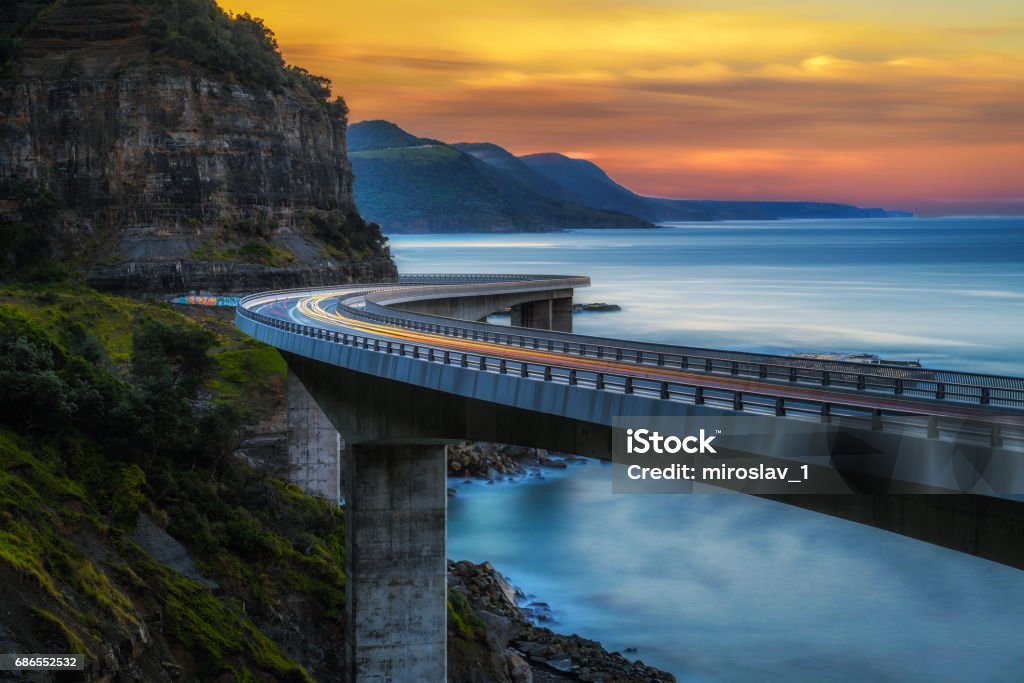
516	624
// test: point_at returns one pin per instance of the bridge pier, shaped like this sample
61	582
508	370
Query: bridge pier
546	314
396	585
314	445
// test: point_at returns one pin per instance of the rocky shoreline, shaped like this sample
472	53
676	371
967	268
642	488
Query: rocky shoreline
532	653
522	650
493	462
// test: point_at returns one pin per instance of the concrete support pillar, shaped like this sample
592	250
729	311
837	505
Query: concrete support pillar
561	314
396	586
314	445
546	314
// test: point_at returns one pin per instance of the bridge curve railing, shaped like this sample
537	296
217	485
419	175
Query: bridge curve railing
923	383
994	429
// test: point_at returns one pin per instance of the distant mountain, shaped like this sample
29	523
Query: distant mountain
411	184
504	160
591	186
380	134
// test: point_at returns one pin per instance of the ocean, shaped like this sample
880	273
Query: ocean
729	588
949	291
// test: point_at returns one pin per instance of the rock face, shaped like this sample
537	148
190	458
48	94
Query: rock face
534	653
165	171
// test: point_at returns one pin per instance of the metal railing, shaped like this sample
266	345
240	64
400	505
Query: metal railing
920	383
994	429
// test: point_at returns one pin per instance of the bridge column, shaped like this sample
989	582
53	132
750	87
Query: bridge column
546	314
561	314
396	586
314	445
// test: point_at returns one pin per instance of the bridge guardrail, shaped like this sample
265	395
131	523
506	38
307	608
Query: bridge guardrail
995	431
925	383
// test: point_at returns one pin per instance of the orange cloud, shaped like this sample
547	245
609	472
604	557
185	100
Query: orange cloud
887	104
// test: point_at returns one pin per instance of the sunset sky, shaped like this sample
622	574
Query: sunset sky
910	104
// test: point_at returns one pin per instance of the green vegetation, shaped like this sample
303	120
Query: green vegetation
380	134
15	19
26	237
348	236
111	408
410	184
240	46
250	252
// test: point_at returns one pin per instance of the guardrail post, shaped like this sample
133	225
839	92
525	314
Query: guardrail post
430	354
898	388
826	412
524	369
547	373
762	371
465	360
618	354
707	365
628	387
503	366
698	396
389	347
734	368
985	397
536	343
447	357
661	359
792	374
940	391
415	351
401	349
862	382
551	344
565	347
599	381
483	363
737	400
684	363
664	391
600	351
826	378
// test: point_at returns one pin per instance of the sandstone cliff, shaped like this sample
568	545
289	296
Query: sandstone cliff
173	168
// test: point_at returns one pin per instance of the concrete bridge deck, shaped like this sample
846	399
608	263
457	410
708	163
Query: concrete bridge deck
399	374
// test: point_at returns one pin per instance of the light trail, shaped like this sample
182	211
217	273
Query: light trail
312	308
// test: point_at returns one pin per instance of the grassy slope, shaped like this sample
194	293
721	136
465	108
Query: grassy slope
73	581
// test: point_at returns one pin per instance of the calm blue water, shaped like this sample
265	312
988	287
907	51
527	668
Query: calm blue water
947	291
724	588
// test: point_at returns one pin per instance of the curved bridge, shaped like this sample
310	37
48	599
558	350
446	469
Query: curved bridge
400	369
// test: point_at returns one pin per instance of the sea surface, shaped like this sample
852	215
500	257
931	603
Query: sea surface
729	588
949	291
